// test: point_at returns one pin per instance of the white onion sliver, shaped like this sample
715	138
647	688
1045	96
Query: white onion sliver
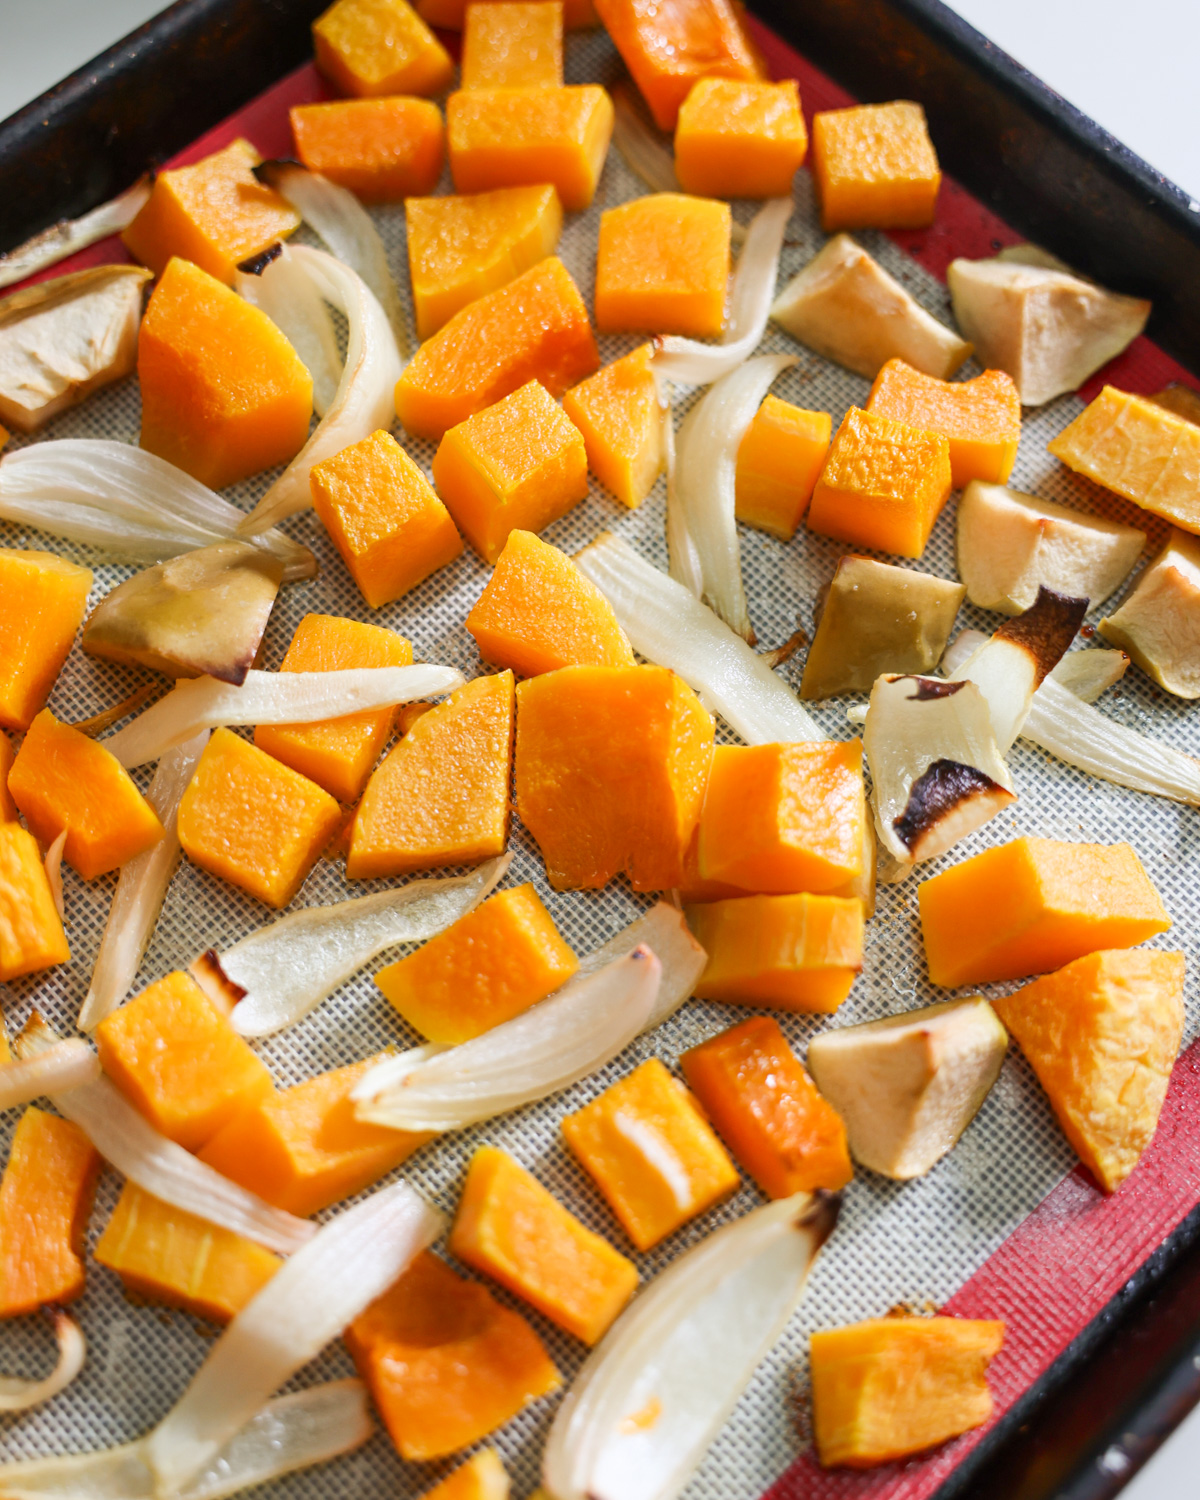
63	1065
53	864
198	703
682	557
284	291
684	1349
669	626
17	1394
51	245
663	930
647	153
364	402
352	1259
1087	674
141	889
553	1044
290	966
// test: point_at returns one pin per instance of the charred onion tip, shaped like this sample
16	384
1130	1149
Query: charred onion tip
266	171
936	793
821	1216
1046	628
931	687
257	264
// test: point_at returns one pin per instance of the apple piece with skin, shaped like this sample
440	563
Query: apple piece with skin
1159	624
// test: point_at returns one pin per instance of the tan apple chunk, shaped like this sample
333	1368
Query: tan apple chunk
1159	624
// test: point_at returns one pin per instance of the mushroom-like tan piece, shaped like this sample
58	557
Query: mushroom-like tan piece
1159	624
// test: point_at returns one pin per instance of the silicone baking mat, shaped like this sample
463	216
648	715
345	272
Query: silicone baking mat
1005	1226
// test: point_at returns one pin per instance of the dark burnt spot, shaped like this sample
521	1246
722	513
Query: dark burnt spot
213	980
257	264
938	793
931	687
1046	629
270	172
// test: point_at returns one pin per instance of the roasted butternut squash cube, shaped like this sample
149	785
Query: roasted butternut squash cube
663	266
509	1227
883	485
441	796
513	44
1102	1035
482	1477
611	765
1033	905
891	1387
874	167
31	931
617	410
45	1200
224	395
179	1061
383	517
504	137
445	1363
8	808
214	213
518	465
487	967
767	1110
62	779
980	419
303	1148
538	613
373	47
740	138
338	754
384	150
667	48
42	603
167	1255
651	1153
535	328
462	247
800	952
451	14
779	461
254	821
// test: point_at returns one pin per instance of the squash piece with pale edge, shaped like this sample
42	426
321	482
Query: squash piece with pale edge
445	1362
740	138
383	150
618	412
253	821
1159	624
662	266
441	796
891	1387
513	44
510	1228
651	1153
779	461
461	247
538	613
874	167
214	213
62	779
1102	1035
1032	905
179	1061
482	1477
980	418
224	395
42	604
373	47
31	931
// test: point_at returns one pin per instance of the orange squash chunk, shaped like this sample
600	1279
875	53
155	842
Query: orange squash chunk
513	44
611	764
45	1200
618	412
462	247
382	149
224	395
372	47
31	931
651	1153
42	603
1102	1036
740	139
538	613
62	779
779	461
214	213
179	1061
445	1363
441	796
667	47
767	1110
800	952
503	137
891	1387
518	465
535	328
487	967
883	485
1033	905
874	167
338	754
980	419
509	1227
167	1255
8	808
451	14
663	266
253	821
482	1477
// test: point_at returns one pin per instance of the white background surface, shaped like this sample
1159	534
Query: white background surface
1132	68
